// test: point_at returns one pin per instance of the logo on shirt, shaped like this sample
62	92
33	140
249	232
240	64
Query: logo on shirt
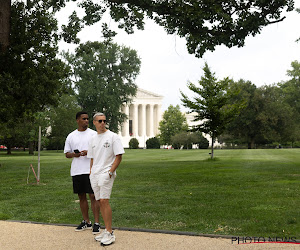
106	144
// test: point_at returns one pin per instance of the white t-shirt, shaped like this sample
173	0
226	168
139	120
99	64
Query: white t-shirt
103	148
79	140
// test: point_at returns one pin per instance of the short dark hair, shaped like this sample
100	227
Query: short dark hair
80	113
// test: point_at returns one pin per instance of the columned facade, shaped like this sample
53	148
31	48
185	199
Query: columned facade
144	115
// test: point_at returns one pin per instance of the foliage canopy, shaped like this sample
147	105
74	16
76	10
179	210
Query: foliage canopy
104	75
204	24
172	123
211	104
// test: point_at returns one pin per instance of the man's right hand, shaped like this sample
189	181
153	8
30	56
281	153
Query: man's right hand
76	155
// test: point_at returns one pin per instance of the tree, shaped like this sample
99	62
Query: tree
266	118
211	104
291	95
23	131
274	119
104	75
245	126
204	24
172	123
5	8
62	121
201	141
31	77
184	140
153	143
291	87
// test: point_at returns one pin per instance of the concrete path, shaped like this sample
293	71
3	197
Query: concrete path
16	235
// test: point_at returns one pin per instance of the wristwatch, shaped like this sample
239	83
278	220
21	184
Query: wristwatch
110	173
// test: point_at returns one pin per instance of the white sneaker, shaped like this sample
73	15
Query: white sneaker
100	236
108	239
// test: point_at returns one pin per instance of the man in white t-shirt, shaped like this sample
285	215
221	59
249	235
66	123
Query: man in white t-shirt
76	147
105	150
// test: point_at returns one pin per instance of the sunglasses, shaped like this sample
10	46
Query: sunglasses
85	119
100	121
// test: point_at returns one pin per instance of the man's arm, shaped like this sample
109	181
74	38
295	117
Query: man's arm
68	149
72	154
116	163
91	164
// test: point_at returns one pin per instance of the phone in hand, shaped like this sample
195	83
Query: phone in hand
76	151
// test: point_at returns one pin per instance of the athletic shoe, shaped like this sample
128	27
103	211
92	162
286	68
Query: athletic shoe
108	239
89	225
101	236
96	229
84	225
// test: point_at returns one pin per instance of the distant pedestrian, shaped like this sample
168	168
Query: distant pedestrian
105	150
76	147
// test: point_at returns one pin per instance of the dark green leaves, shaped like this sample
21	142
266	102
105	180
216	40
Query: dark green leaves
204	24
172	123
72	29
104	78
211	104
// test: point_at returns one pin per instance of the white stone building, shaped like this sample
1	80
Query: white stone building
144	116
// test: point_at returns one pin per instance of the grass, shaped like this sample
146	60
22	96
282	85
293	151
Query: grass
241	192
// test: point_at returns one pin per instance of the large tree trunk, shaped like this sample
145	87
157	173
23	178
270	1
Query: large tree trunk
31	147
5	13
9	149
251	143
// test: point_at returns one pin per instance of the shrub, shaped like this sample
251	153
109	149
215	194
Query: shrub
186	140
183	139
153	143
296	144
133	143
203	143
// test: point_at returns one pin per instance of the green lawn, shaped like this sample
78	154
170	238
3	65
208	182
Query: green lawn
241	192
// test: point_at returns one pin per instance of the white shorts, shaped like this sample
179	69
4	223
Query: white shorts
102	185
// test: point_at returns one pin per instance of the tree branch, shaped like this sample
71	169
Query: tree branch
276	21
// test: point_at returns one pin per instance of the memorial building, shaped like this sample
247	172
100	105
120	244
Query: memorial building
144	114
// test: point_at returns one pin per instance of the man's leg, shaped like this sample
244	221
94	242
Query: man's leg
106	213
84	206
95	207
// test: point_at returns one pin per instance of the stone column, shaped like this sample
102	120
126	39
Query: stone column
151	121
158	118
144	121
135	122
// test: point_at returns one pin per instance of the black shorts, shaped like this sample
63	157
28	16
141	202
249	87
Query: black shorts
82	184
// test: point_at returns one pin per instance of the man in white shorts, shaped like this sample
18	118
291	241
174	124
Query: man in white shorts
105	150
80	170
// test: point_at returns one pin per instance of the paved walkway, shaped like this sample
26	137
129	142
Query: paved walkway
16	235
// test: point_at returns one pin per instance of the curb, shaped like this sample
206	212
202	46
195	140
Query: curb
142	230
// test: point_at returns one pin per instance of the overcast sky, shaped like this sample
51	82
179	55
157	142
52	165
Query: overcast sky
167	67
